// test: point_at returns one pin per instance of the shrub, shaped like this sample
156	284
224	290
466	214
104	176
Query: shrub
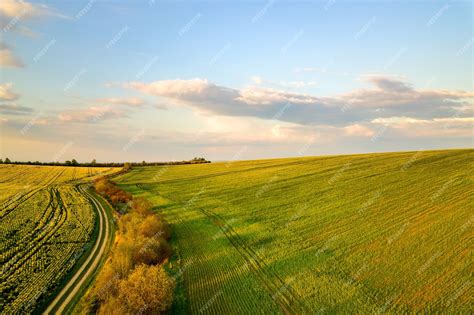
153	226
147	290
116	196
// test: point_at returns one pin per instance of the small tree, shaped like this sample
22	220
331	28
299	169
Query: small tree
68	163
154	226
1	161
74	162
94	162
7	161
149	286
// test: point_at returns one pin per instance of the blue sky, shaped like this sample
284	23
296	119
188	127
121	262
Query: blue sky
159	80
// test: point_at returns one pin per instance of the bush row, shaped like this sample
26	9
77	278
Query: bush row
133	280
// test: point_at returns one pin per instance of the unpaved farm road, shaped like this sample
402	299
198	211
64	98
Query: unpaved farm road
73	286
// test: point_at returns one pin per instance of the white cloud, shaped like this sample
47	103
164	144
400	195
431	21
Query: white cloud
436	127
409	120
358	130
132	101
15	8
25	10
455	120
8	59
6	93
257	80
173	88
398	120
392	92
91	115
267	96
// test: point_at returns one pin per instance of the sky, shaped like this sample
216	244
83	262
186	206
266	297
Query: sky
170	80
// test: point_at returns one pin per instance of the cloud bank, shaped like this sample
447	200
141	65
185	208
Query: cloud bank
385	97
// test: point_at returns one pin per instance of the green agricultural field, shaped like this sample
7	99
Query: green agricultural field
45	226
365	233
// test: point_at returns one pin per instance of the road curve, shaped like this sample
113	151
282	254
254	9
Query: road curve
69	291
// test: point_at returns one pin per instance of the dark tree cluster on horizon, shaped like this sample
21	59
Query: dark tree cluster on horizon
94	163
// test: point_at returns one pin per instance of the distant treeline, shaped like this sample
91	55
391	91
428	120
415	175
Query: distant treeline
94	163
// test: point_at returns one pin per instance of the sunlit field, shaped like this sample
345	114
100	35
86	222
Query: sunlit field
356	233
46	224
236	157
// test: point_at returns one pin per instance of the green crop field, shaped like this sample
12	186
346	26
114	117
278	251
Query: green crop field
365	233
45	225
